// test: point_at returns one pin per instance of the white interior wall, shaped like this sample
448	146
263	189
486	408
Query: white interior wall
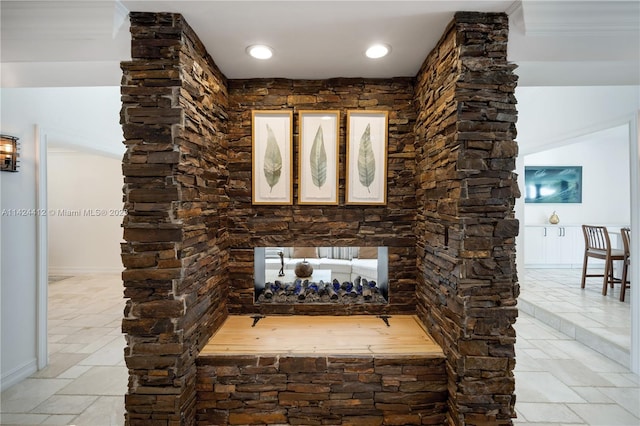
553	116
548	116
85	212
85	117
604	157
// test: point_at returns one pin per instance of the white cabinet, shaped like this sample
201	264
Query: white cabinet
553	246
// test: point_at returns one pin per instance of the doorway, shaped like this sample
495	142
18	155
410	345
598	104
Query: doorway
80	189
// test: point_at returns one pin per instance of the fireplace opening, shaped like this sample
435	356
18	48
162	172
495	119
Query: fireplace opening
326	275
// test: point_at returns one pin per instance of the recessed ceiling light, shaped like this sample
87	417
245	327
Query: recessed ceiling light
378	51
260	51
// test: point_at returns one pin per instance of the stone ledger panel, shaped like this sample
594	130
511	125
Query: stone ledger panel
465	227
320	390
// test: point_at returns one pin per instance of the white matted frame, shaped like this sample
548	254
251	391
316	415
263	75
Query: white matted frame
318	157
272	157
366	177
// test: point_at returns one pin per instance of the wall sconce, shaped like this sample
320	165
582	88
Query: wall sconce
8	153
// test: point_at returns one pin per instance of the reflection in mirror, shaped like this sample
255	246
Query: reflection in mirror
321	275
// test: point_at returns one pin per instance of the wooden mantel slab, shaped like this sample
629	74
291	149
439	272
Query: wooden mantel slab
336	335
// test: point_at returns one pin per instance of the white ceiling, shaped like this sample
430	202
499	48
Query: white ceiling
80	43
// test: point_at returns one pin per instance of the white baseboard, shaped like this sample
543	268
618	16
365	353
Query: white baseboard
18	374
72	270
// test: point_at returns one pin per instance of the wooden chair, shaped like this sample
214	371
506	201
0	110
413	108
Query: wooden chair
598	246
626	242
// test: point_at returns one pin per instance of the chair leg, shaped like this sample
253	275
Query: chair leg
584	271
607	267
611	277
623	280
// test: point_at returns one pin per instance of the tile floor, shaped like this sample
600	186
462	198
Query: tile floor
603	323
562	377
86	379
559	380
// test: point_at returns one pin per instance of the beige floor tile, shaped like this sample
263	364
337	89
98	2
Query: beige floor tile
592	395
110	354
98	344
572	372
59	419
628	398
99	380
105	411
547	412
58	364
543	387
65	404
10	419
28	394
604	414
75	372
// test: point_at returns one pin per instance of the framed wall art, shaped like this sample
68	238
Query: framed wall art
272	157
318	157
366	177
553	184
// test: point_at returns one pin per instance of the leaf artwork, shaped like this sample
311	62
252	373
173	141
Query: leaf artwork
272	160
318	160
366	162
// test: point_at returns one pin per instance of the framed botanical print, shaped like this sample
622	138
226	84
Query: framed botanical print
318	157
366	177
272	157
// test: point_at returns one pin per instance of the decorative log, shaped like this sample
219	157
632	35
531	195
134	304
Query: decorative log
301	289
322	288
331	292
366	293
336	284
268	292
304	290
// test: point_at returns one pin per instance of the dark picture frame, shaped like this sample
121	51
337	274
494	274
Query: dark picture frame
553	184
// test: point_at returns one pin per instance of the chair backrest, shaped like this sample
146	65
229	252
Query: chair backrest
626	240
596	238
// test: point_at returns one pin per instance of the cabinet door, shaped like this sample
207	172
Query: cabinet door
534	245
559	245
578	247
553	246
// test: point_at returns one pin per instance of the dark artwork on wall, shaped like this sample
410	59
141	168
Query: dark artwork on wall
553	184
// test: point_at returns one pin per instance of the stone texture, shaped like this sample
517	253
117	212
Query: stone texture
465	227
321	390
342	225
175	165
191	229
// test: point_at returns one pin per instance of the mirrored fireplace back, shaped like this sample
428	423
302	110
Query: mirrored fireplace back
321	274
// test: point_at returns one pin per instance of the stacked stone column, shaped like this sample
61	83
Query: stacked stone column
175	252
466	190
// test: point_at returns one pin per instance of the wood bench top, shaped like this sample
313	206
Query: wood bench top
322	335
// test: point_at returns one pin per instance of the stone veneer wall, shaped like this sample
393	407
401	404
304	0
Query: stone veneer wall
175	122
321	390
191	226
341	225
467	284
